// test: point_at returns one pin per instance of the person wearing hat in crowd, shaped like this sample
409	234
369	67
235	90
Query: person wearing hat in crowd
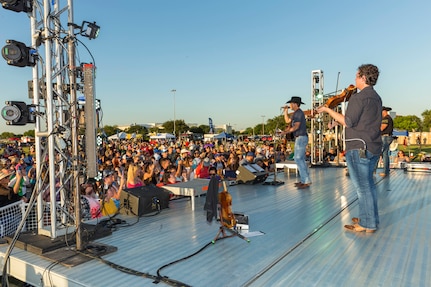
297	126
249	159
181	162
386	129
362	120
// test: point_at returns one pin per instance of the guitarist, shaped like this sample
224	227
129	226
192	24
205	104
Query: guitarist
296	125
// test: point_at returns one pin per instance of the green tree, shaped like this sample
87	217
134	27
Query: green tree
180	127
275	123
409	123
138	129
6	135
110	130
197	130
29	133
426	124
205	128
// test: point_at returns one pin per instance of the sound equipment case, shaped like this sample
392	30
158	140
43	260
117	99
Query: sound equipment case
143	200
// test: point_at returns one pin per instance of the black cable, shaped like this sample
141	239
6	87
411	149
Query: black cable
130	271
160	277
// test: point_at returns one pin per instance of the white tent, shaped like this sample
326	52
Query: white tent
223	135
118	136
162	136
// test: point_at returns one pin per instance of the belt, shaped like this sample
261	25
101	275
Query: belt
300	136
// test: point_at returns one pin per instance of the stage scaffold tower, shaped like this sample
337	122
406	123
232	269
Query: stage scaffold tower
64	150
317	125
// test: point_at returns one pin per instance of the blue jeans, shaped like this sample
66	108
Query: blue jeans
387	140
299	157
361	172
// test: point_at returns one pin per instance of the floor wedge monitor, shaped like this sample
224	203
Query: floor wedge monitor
251	174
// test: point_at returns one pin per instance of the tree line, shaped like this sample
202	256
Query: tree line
410	123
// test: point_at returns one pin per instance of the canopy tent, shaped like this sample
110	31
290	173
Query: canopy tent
396	133
223	135
118	136
162	136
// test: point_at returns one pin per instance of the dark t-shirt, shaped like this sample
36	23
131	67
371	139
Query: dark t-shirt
363	119
390	125
298	116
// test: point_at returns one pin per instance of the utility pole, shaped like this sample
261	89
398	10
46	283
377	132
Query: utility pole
174	91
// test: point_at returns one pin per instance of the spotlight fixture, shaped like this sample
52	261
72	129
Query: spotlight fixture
18	54
18	5
18	113
87	29
92	30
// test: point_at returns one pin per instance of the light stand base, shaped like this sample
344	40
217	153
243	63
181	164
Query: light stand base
275	182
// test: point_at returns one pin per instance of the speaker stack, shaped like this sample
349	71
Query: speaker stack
143	200
251	174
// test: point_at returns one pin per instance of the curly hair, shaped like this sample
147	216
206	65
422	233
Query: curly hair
370	72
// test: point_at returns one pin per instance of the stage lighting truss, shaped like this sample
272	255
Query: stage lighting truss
18	5
18	54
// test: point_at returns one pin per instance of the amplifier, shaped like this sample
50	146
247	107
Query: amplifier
251	174
142	200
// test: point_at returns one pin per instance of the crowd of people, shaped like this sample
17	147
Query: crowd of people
125	164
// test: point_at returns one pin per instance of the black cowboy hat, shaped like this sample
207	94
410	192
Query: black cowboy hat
296	100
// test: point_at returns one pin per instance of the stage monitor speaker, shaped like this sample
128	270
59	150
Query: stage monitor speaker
248	174
143	200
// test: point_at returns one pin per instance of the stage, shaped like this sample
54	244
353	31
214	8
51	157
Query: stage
300	240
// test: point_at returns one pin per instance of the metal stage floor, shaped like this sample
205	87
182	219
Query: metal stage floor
302	241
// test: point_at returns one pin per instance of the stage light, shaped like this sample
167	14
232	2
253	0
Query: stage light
18	113
18	5
97	105
92	30
87	29
18	54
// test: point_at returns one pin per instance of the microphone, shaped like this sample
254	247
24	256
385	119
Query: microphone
284	107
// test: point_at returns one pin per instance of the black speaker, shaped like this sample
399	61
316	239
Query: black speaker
143	200
251	174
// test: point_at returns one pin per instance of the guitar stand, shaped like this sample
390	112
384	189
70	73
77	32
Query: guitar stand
222	231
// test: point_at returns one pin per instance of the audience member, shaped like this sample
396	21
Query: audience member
90	205
401	157
249	158
202	171
133	176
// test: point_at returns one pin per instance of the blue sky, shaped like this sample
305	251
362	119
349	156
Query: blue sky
236	61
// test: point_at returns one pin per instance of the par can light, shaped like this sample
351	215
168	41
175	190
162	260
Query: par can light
11	113
18	113
18	5
18	54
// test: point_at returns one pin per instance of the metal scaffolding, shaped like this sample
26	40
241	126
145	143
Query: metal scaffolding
317	125
58	137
